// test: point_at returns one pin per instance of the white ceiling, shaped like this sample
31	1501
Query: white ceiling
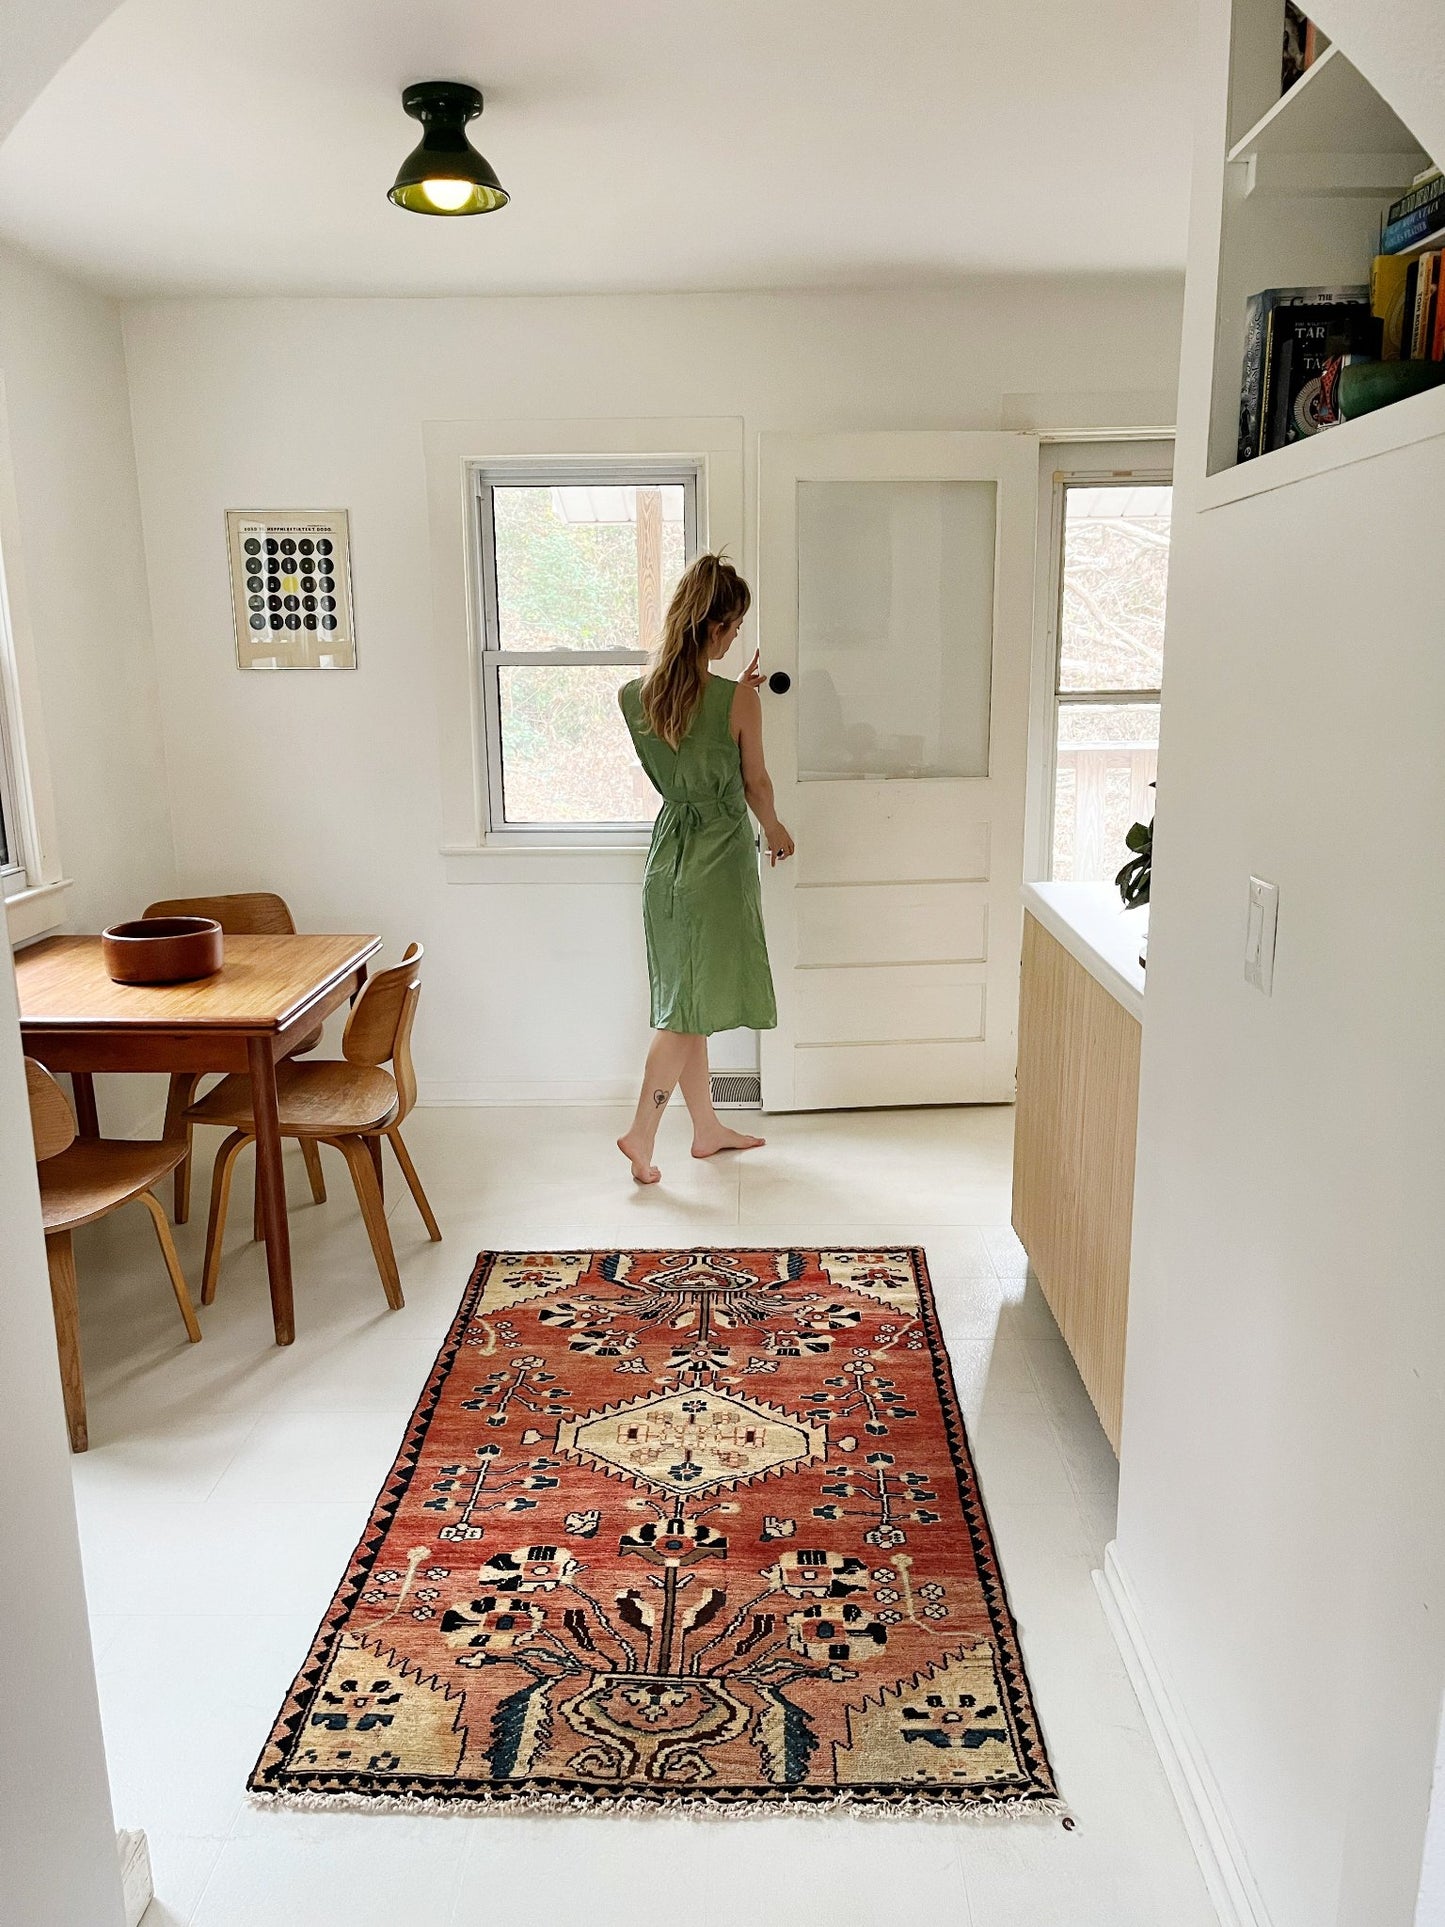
647	144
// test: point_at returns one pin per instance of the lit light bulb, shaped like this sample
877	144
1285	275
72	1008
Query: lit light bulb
448	194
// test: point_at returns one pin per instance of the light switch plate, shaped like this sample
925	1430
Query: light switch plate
1260	933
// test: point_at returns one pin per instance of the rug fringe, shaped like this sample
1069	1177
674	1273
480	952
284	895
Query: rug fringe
690	1807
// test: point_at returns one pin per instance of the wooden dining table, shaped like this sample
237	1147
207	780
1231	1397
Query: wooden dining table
269	995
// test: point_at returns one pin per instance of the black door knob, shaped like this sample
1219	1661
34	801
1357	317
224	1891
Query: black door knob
780	682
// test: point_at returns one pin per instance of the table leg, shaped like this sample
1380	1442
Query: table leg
61	1260
82	1084
271	1185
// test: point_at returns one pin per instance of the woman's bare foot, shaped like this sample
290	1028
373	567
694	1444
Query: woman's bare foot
707	1144
637	1156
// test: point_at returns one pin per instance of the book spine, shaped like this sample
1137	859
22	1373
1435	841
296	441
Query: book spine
1437	337
1409	230
1278	386
1407	335
1425	281
1387	300
1420	196
1251	390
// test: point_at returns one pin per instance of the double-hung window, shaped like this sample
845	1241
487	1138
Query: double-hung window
14	863
575	565
1111	535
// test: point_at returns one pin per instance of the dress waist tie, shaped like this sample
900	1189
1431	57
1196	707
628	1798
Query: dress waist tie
692	813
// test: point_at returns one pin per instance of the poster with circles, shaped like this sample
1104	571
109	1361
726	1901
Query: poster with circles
291	588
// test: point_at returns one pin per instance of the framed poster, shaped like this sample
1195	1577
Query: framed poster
291	588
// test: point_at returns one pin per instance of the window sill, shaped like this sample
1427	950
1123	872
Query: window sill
572	862
35	913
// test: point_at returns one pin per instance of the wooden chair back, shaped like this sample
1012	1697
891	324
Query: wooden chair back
244	913
52	1122
378	1031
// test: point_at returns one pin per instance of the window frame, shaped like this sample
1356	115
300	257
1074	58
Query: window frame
483	477
1122	462
32	887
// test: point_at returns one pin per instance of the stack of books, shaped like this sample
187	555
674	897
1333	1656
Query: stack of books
1297	340
1407	272
1293	337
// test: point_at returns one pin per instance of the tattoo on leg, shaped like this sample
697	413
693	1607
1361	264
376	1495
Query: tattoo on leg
659	1098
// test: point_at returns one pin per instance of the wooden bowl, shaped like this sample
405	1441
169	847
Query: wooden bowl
162	950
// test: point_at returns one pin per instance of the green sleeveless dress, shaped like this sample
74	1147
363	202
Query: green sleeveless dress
707	960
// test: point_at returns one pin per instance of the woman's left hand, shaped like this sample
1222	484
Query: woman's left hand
753	677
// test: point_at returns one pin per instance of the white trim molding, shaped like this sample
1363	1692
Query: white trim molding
579	862
1217	1847
452	449
137	1885
442	1092
30	914
1091	416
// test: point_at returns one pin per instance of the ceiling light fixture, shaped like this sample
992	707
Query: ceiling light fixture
445	174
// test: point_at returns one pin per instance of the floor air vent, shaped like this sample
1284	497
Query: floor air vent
737	1090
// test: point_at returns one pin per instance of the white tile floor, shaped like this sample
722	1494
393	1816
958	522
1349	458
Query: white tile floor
228	1482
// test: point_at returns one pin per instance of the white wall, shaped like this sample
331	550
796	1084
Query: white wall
56	1835
79	546
58	1862
1281	1494
324	786
63	364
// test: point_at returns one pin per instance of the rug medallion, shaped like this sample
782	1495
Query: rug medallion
671	1527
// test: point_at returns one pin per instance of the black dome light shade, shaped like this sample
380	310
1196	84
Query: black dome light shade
445	174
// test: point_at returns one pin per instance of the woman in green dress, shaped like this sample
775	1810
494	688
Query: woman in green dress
700	739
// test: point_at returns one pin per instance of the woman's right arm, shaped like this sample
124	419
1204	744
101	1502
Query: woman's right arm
747	727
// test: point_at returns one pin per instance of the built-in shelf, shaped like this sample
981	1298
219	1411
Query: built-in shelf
1303	189
1331	109
1418	418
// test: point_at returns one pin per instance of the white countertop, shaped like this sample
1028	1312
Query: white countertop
1095	928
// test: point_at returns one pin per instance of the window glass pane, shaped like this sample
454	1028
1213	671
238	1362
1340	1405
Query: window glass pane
1107	757
1116	569
586	568
895	628
566	753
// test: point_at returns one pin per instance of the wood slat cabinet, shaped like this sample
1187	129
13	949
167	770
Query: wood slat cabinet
1073	1186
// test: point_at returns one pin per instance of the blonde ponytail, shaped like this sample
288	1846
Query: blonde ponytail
710	594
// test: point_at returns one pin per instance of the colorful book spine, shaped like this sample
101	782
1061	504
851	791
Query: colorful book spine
1423	223
1388	274
1425	308
1425	189
1432	301
1420	305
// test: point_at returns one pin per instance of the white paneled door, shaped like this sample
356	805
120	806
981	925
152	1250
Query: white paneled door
895	596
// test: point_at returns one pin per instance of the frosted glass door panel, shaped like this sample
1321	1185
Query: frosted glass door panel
895	628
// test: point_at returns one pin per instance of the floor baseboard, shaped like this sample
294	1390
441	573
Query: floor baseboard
485	1091
137	1887
1232	1888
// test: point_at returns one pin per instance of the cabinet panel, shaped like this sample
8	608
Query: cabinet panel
1074	1141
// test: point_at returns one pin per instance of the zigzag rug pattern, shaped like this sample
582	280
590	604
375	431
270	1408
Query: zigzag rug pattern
686	1527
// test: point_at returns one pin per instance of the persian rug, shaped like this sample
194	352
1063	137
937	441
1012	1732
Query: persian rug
674	1528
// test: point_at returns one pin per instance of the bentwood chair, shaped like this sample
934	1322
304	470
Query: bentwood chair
242	913
81	1179
351	1105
